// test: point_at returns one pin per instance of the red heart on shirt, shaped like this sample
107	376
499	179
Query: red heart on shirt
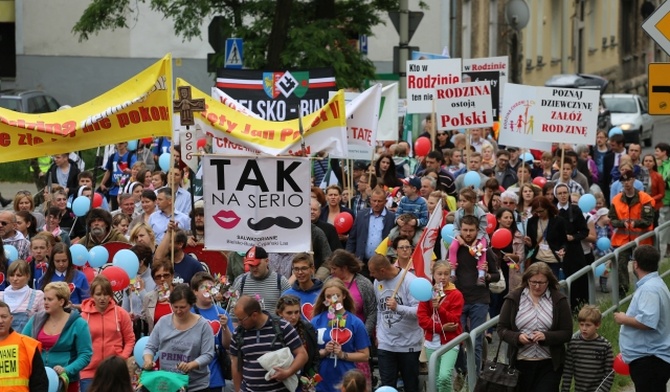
72	287
340	335
2	277
307	310
216	326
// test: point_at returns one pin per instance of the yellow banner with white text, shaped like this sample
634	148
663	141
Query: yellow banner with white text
140	107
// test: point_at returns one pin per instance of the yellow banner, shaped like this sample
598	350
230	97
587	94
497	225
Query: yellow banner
140	107
328	124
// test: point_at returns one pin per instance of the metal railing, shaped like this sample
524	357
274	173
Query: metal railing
469	339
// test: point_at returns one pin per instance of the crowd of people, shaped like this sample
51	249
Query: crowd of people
324	320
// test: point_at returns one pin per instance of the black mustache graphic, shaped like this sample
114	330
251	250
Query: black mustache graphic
280	221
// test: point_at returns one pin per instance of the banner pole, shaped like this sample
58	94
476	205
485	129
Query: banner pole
433	128
171	180
523	165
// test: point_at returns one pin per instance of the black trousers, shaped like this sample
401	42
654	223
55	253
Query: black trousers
650	374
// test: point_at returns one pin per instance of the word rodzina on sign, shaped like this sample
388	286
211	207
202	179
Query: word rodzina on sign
464	105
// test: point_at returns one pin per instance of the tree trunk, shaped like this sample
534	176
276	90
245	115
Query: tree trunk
277	39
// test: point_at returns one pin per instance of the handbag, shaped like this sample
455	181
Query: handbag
497	376
499	286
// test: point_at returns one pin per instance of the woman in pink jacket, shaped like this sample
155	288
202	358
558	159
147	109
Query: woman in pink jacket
110	326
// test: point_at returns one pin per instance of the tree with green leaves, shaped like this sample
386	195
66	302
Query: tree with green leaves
277	34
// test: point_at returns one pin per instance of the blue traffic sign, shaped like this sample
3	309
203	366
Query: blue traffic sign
234	59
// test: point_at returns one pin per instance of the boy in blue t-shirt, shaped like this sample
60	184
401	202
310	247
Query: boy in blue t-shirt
412	202
205	289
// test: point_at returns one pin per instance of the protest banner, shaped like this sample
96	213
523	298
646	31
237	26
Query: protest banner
492	69
362	120
261	201
140	107
387	129
277	95
518	118
422	78
324	130
567	115
463	106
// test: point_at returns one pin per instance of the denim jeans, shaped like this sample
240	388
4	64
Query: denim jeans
473	316
408	364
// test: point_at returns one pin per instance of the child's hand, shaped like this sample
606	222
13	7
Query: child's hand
460	240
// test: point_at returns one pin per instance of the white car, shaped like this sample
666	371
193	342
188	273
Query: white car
629	112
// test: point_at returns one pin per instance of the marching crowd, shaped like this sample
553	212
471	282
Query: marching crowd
324	320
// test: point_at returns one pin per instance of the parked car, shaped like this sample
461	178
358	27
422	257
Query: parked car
586	81
629	112
28	101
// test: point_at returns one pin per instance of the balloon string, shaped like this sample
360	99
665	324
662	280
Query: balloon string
604	379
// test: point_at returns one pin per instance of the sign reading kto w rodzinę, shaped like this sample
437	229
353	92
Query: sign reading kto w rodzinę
261	201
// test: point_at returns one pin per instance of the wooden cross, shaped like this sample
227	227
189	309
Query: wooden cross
185	105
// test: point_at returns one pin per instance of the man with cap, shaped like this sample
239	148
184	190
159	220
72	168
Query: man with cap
514	161
260	282
631	215
100	229
185	266
412	202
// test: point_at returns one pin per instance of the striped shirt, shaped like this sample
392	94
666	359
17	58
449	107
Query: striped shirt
256	343
531	318
268	289
590	363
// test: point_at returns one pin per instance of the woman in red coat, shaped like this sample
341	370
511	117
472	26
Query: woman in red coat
657	184
440	319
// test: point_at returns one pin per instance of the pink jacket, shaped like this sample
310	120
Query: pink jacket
111	333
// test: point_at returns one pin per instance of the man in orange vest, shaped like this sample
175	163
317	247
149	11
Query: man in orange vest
21	365
632	214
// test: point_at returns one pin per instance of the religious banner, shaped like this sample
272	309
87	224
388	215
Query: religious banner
463	106
324	129
140	107
518	116
491	69
567	115
261	201
277	95
422	78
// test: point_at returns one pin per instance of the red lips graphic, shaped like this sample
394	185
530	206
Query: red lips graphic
226	219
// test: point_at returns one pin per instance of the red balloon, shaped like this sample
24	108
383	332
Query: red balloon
422	146
343	222
117	277
490	223
620	366
97	200
501	238
201	143
147	140
89	273
539	181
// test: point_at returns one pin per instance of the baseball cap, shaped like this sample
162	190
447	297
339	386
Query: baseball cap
600	213
413	181
627	175
255	255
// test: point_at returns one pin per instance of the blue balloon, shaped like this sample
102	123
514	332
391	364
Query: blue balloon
11	253
81	205
615	131
603	244
132	145
98	256
447	233
587	202
386	389
600	270
52	376
164	161
528	157
421	289
472	179
79	255
127	260
139	350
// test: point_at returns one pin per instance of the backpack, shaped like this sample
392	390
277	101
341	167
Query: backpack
312	365
239	338
221	355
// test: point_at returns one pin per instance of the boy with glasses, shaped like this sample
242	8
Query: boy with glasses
305	287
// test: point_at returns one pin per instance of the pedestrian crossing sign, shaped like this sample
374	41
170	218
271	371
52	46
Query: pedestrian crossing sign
234	59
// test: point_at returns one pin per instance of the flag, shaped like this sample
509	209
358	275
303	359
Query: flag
423	252
388	114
